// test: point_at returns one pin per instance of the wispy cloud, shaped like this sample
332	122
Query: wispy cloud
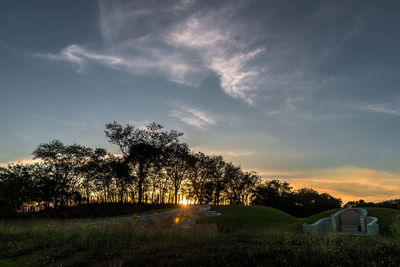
217	43
171	65
77	55
381	108
224	152
24	136
193	116
186	41
183	5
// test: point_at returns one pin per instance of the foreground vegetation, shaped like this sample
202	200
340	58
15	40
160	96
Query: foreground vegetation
248	235
115	244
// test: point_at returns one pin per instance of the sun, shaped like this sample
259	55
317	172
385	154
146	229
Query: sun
184	202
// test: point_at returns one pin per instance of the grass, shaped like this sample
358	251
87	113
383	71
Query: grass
386	218
96	210
160	210
316	217
249	236
16	261
251	218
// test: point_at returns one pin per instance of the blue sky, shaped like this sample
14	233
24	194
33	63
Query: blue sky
304	91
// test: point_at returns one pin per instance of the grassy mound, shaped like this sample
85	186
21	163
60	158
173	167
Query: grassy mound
261	218
250	218
316	217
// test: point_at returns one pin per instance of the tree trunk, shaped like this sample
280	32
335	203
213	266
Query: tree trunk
140	190
140	183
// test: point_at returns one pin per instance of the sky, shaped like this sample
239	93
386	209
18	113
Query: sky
302	91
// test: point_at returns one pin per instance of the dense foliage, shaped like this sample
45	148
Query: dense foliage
301	203
389	204
153	167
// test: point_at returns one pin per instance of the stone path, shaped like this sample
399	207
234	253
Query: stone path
183	218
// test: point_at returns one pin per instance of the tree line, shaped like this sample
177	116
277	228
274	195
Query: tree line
153	166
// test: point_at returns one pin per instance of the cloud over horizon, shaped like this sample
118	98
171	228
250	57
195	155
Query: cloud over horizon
349	182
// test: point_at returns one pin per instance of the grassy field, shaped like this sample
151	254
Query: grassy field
247	236
252	219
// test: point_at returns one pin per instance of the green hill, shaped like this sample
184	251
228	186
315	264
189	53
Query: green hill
251	218
316	217
261	218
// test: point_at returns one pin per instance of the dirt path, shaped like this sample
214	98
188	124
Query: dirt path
179	218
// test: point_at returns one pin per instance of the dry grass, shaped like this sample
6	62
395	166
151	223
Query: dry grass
66	243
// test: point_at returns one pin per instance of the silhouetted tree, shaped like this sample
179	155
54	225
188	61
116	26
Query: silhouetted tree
119	169
152	161
303	202
205	172
309	201
144	157
233	183
238	184
25	187
359	203
274	194
176	165
249	181
17	186
142	148
216	170
90	169
60	162
197	181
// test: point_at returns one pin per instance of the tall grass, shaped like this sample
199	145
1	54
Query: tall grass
246	236
49	242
